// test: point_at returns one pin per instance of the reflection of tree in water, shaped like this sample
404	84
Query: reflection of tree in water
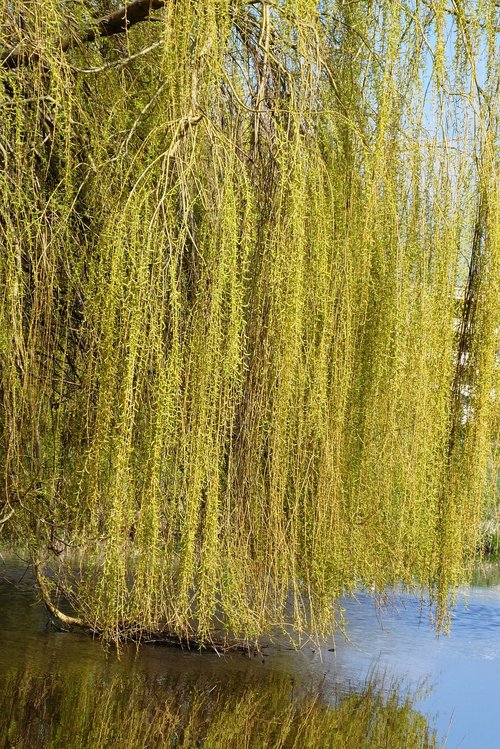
91	711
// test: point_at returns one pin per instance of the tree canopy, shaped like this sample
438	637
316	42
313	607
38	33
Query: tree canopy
249	303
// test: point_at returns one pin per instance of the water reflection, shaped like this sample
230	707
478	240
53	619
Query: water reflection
64	690
462	668
93	710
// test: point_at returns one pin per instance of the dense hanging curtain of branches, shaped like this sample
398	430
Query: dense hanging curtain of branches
249	303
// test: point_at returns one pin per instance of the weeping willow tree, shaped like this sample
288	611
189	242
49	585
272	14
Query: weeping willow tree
249	304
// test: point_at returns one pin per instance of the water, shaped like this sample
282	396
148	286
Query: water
461	671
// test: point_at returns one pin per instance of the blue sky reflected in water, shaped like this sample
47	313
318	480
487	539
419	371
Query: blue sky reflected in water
461	669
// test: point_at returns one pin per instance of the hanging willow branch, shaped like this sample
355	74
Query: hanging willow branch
467	328
130	632
235	382
115	23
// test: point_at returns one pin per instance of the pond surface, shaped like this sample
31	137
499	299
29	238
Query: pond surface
461	671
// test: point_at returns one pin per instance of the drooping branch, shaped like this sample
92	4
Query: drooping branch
70	621
215	336
132	633
116	23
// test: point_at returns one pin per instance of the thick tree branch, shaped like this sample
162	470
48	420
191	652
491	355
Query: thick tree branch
71	621
116	23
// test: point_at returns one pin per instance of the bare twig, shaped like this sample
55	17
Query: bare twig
121	62
6	517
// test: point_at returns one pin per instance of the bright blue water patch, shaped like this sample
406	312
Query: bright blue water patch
461	669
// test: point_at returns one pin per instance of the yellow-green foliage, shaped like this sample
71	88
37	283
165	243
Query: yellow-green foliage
249	303
99	711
